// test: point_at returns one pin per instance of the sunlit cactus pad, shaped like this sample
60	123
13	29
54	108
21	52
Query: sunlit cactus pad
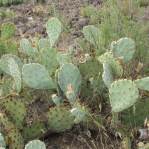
123	94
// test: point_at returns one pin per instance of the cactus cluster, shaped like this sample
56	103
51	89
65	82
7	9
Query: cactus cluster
43	68
40	68
7	42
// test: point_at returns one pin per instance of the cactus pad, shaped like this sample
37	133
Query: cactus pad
43	43
80	113
15	110
34	130
35	144
123	94
113	63
11	65
54	28
60	119
123	48
91	68
26	47
2	141
69	80
92	34
7	30
143	83
11	133
36	76
48	58
63	58
107	75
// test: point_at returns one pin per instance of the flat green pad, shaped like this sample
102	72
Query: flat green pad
69	80
123	94
143	83
123	48
15	110
60	119
36	76
2	141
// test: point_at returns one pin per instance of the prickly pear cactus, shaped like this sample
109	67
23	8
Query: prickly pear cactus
123	94
143	83
80	113
48	58
113	63
11	65
15	109
60	119
63	58
90	68
36	76
54	28
35	144
34	130
2	142
124	48
107	75
6	86
92	34
26	47
13	137
7	30
69	80
43	43
56	99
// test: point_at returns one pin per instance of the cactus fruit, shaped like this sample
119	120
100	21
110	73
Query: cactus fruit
107	75
26	47
113	63
34	130
15	110
123	94
7	30
123	48
36	76
2	142
60	118
35	144
69	80
143	83
92	34
54	28
11	65
12	135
